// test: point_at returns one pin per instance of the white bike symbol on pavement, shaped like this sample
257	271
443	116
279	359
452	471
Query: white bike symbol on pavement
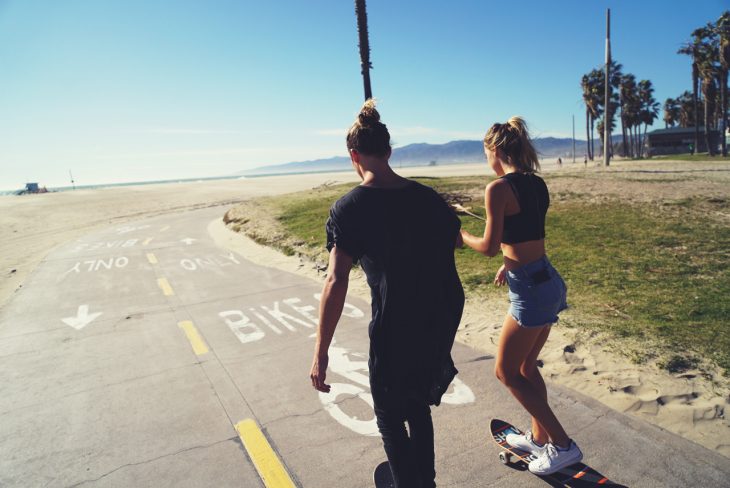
356	371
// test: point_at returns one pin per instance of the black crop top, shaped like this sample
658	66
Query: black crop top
532	194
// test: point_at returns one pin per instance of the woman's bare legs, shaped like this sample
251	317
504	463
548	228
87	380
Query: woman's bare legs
517	351
529	370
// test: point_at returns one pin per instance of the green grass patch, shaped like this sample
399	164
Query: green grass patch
702	157
656	274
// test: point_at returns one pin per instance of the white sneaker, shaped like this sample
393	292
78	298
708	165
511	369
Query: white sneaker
525	442
553	459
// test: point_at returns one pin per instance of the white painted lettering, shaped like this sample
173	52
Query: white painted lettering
101	263
266	321
203	261
188	264
76	268
245	330
284	318
302	309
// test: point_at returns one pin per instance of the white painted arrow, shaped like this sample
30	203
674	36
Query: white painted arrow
82	319
188	240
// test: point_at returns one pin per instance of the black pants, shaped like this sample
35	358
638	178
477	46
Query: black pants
410	454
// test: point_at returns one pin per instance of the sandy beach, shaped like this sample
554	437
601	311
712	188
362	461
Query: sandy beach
688	404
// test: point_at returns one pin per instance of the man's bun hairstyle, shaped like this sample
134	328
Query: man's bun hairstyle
368	135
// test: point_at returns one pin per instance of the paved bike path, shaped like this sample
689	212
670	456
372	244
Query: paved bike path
130	356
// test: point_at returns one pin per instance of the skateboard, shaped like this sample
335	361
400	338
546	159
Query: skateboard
382	477
574	476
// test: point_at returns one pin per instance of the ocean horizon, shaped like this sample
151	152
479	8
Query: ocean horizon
53	189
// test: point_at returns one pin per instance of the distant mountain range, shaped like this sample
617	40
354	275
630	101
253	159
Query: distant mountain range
421	154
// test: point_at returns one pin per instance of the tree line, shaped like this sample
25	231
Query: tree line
633	101
709	50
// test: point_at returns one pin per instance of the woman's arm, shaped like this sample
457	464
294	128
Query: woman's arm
494	203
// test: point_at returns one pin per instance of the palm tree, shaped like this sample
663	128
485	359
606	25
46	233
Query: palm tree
364	45
627	88
585	82
708	65
687	116
649	110
691	49
589	84
671	112
598	90
722	28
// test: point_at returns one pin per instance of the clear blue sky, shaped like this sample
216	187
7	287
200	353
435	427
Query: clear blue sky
150	89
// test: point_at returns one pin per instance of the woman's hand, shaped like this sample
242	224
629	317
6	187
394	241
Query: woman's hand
500	278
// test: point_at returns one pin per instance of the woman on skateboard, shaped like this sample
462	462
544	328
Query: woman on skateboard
516	204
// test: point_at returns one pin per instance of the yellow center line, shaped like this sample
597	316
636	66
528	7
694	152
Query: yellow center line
270	468
147	241
165	287
199	345
151	258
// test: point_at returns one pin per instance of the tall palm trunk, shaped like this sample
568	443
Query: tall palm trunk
632	136
695	82
588	135
623	133
364	44
593	146
723	103
708	92
630	141
634	144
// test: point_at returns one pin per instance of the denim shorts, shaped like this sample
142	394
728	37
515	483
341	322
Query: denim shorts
537	293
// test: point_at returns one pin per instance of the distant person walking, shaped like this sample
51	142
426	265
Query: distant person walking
404	235
585	161
560	162
516	205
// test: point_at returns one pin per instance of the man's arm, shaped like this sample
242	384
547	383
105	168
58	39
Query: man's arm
330	310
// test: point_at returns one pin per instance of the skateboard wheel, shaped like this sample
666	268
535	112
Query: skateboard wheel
505	457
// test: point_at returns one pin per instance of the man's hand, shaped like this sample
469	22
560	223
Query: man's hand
319	372
330	309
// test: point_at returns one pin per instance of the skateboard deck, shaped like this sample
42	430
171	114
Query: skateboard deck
382	477
574	476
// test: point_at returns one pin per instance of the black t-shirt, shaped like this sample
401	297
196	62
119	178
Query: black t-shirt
404	239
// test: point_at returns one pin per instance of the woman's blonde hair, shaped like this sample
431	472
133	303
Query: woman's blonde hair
368	135
514	141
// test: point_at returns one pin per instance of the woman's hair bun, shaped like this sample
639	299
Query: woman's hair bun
518	124
513	139
368	114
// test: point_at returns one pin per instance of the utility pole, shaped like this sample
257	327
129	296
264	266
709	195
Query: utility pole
73	184
607	106
573	138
